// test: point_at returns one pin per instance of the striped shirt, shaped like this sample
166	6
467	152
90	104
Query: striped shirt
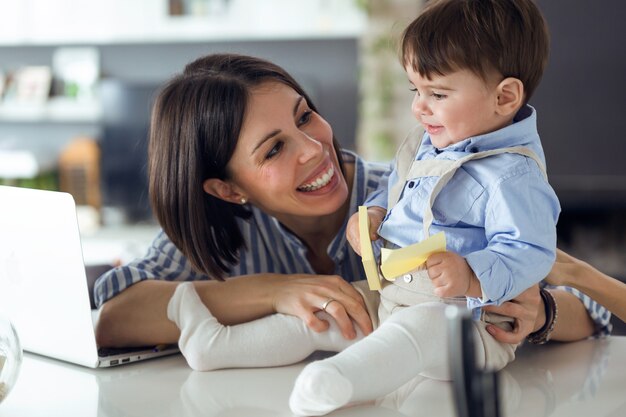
600	316
271	248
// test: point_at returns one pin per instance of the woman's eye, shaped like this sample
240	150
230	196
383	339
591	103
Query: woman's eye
275	150
304	119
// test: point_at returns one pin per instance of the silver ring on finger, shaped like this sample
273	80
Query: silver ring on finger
327	302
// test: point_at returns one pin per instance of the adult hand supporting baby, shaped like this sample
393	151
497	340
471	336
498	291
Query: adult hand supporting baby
526	309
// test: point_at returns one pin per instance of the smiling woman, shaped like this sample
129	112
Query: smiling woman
274	138
248	181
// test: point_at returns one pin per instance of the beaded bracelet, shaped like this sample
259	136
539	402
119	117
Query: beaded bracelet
542	335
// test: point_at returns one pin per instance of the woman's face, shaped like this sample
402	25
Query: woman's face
284	162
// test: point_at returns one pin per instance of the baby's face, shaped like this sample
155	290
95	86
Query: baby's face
455	106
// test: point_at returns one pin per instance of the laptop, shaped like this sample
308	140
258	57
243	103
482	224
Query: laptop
43	285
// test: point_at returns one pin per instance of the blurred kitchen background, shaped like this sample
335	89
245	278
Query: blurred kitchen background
77	80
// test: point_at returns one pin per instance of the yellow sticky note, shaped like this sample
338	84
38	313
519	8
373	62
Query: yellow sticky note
367	254
395	262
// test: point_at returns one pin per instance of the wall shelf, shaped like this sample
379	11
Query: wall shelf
110	22
55	110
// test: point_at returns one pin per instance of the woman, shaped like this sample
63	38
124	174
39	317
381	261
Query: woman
249	183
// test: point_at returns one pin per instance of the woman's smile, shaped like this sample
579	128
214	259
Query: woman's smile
321	181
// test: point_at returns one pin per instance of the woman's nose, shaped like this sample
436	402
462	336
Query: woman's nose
309	148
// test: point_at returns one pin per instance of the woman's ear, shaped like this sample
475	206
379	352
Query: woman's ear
510	96
223	190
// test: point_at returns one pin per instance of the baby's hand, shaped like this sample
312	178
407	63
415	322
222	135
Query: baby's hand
451	274
376	216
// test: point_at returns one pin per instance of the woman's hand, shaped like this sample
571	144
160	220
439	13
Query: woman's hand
304	295
376	215
528	311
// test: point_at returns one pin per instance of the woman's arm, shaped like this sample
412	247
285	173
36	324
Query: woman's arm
138	315
133	298
573	321
606	290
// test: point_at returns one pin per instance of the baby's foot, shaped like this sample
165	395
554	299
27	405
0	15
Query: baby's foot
319	389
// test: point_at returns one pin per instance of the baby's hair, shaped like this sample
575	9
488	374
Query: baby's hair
509	37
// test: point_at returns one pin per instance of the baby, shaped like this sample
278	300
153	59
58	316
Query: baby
478	175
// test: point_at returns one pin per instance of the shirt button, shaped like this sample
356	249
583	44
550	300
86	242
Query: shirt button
411	184
407	278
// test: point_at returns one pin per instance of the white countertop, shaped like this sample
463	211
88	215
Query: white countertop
576	379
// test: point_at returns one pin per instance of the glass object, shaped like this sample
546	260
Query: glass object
10	357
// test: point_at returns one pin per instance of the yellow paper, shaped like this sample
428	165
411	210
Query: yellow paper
367	254
395	262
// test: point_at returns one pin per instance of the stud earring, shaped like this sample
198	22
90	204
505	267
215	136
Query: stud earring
243	200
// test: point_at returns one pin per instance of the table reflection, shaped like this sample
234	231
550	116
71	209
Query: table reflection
539	382
573	379
536	384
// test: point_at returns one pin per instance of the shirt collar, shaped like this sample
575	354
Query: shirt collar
521	132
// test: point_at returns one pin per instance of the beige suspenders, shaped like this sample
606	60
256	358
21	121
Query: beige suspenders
408	168
404	157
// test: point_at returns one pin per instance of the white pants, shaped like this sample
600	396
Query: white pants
416	288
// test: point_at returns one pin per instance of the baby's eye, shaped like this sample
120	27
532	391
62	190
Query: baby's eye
275	150
439	96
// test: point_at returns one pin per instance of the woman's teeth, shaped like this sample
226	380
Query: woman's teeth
318	183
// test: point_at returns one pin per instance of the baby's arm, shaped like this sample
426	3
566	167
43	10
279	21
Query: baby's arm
452	276
520	231
274	340
376	215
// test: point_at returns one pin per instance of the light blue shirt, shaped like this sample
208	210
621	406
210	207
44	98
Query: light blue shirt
498	212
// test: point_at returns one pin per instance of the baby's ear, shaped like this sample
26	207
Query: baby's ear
510	96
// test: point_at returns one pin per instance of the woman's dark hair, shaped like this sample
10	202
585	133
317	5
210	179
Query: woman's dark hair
509	36
196	122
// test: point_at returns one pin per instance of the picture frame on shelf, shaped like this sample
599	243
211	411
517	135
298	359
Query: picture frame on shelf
30	85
